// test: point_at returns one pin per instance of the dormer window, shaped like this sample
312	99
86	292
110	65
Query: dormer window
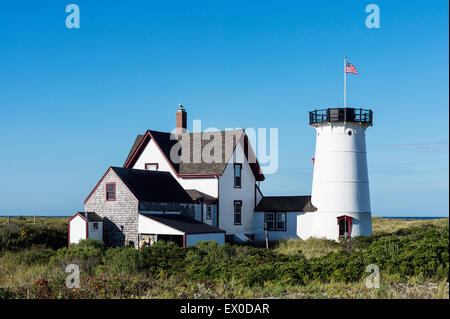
151	166
110	191
237	175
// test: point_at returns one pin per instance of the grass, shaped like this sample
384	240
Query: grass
13	272
385	225
314	247
55	222
310	248
16	271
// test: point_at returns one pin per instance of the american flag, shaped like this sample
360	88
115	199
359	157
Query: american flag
350	68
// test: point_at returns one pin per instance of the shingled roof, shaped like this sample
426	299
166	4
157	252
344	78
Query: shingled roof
134	147
285	204
91	216
152	186
183	223
195	167
197	195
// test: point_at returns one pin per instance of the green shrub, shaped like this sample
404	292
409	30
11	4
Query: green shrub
162	255
6	293
27	236
37	254
122	260
87	255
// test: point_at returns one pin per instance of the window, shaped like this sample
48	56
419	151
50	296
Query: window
94	226
110	191
275	221
237	212
269	219
208	212
281	221
237	175
151	166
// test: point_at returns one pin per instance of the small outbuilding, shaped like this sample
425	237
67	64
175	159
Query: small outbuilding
84	225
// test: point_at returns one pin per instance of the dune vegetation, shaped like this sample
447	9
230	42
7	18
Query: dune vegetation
412	257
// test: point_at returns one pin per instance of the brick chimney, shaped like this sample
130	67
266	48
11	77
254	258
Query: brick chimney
181	119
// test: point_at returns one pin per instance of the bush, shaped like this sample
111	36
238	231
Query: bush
27	236
417	252
87	255
37	254
122	260
166	256
423	251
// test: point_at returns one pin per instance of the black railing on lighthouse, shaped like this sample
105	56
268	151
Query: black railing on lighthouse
341	115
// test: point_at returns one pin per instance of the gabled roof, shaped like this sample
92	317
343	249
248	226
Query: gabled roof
91	216
285	204
149	186
197	195
183	223
152	186
134	147
195	168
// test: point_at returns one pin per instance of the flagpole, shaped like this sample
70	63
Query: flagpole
345	81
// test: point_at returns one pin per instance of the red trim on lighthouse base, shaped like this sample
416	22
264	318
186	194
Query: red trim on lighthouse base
348	219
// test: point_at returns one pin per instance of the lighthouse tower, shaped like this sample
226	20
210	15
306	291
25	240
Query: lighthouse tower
340	189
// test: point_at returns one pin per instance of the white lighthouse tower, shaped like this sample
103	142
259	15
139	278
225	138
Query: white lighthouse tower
340	189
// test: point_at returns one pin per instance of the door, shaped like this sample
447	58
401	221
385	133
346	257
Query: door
210	217
343	231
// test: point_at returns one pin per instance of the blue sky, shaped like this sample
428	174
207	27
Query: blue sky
73	100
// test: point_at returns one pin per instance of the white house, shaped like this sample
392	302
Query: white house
189	187
228	185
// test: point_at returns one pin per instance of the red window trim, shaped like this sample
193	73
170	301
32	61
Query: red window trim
234	211
106	192
234	174
349	225
100	183
157	165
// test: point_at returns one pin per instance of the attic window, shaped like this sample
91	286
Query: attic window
151	166
237	175
110	191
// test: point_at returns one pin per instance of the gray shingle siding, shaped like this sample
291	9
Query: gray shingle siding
123	212
120	217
